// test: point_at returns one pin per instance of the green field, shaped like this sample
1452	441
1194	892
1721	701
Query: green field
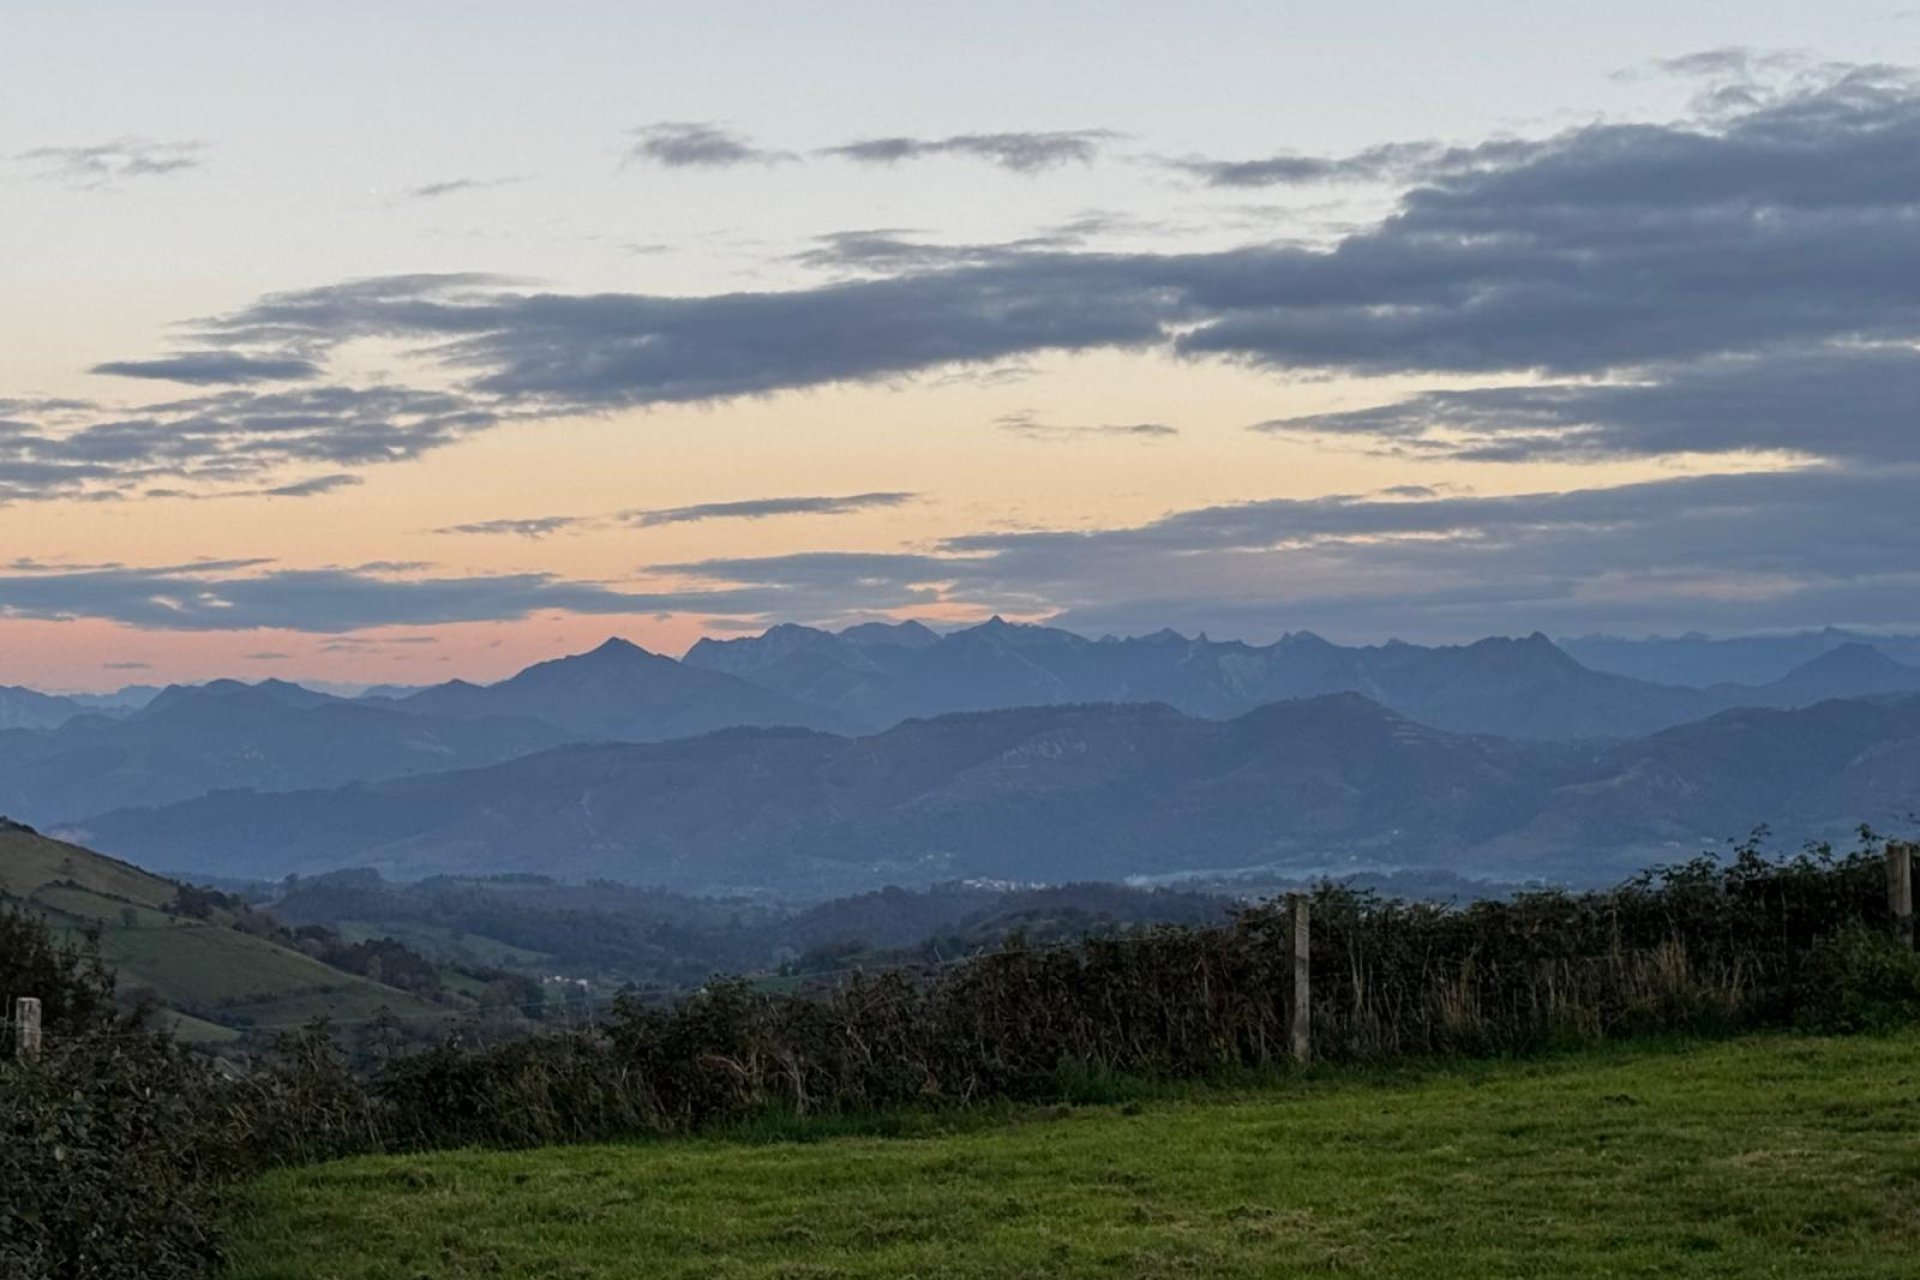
1761	1157
211	978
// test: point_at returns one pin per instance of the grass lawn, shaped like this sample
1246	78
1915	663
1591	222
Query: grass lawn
1760	1157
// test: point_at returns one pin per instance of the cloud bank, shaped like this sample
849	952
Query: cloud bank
1735	283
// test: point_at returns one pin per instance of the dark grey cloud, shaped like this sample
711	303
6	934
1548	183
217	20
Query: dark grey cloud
231	438
1735	551
578	353
689	144
890	250
331	601
1019	152
747	509
101	164
1844	402
1387	162
1795	225
533	527
457	186
764	508
313	488
214	368
1031	427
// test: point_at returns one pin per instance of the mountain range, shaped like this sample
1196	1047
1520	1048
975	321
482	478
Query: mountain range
1100	791
187	741
1517	688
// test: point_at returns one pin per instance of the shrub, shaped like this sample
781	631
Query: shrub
1860	979
112	1154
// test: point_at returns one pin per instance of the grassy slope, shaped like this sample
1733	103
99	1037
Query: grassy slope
220	974
1765	1157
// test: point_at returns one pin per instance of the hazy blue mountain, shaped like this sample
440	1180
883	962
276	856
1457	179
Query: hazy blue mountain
28	709
1514	688
1852	670
192	739
120	701
1073	792
278	735
618	692
1703	661
885	635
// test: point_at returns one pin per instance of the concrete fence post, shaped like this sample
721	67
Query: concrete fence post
1299	1026
1900	889
26	1028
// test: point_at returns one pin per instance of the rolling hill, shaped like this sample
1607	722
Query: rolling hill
215	981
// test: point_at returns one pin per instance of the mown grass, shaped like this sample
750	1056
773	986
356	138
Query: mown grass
1758	1157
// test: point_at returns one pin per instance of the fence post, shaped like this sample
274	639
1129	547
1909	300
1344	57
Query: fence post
1299	1026
1900	889
26	1028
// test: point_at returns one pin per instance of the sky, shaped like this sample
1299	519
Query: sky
391	343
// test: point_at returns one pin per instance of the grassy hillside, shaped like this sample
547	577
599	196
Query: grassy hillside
1764	1157
213	979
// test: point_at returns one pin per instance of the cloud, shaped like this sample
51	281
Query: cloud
1734	551
536	527
1027	425
126	666
1785	549
748	509
313	488
457	186
231	438
1853	403
212	597
1390	161
103	164
216	368
888	250
764	508
1610	247
696	145
1735	280
1017	152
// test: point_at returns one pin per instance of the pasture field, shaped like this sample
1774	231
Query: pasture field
212	979
1767	1156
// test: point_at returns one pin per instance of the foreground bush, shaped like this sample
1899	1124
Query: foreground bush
112	1154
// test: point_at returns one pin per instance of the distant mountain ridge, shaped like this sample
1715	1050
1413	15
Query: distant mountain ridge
1526	688
1057	793
276	735
619	692
190	740
1703	661
29	709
